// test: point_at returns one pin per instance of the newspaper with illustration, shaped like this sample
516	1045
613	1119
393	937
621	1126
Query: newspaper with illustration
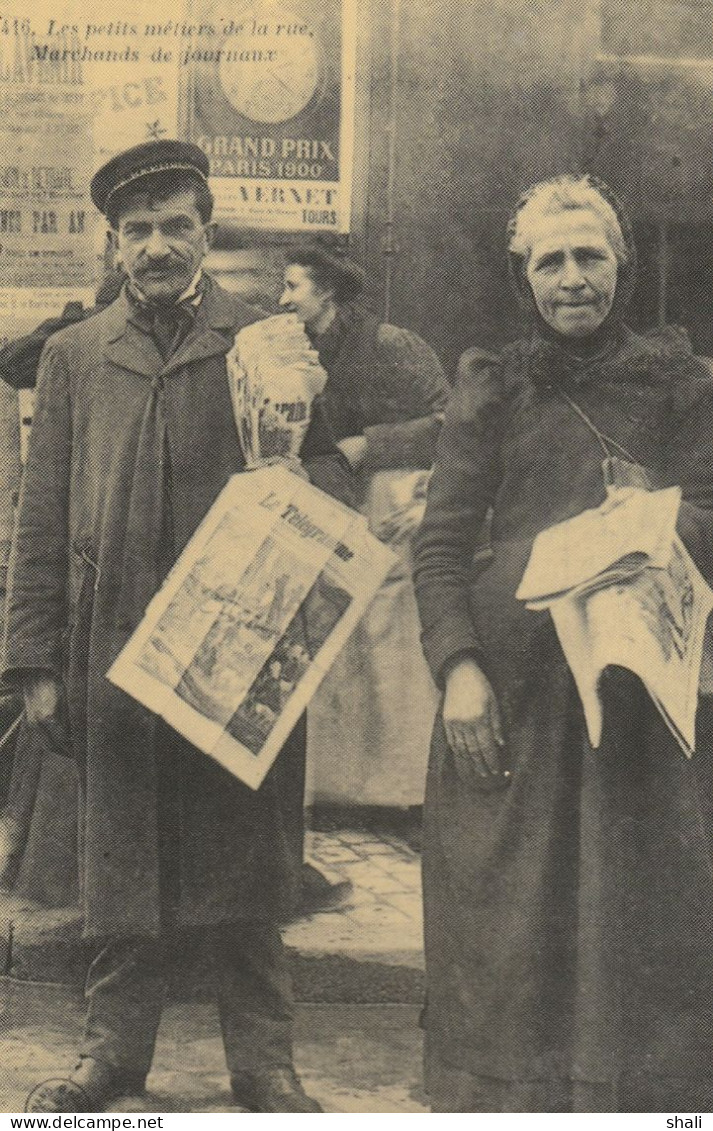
623	590
249	620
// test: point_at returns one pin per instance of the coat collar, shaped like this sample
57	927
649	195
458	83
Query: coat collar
219	317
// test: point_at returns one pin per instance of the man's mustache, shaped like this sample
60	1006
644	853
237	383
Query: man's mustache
165	263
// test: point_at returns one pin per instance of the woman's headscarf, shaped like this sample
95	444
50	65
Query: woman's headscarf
568	191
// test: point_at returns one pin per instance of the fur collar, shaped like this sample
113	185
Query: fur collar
651	358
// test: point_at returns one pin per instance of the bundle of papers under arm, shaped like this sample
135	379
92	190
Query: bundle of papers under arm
623	590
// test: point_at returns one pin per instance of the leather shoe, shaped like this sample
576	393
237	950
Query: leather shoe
272	1090
90	1087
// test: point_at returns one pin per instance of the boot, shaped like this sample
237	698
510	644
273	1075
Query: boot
89	1088
272	1090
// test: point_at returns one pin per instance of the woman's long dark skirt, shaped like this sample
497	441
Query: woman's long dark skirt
569	918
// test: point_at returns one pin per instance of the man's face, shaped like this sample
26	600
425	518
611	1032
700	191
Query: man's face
572	271
162	243
302	296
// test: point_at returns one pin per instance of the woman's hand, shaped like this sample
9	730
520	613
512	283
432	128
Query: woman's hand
472	722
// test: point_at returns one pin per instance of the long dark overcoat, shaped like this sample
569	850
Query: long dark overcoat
569	918
231	853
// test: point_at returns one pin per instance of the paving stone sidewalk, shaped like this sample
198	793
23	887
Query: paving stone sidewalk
382	921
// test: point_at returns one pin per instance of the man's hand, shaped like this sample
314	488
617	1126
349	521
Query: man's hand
354	448
43	694
472	722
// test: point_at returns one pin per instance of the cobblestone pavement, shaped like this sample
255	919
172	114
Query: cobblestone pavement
383	917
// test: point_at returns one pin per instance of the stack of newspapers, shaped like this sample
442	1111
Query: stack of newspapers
623	590
274	375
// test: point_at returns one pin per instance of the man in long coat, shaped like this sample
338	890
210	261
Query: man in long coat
133	439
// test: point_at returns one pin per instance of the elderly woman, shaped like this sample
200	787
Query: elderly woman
568	891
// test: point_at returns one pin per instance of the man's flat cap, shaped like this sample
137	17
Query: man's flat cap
142	160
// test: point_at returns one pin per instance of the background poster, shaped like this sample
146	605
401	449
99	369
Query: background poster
268	94
45	167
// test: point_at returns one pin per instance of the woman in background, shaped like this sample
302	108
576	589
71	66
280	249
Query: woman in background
369	725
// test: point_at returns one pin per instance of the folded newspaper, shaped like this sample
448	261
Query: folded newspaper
623	590
251	617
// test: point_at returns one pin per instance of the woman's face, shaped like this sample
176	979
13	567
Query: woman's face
303	297
572	271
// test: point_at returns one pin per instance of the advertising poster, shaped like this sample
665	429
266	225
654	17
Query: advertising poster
45	168
268	94
116	64
129	69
